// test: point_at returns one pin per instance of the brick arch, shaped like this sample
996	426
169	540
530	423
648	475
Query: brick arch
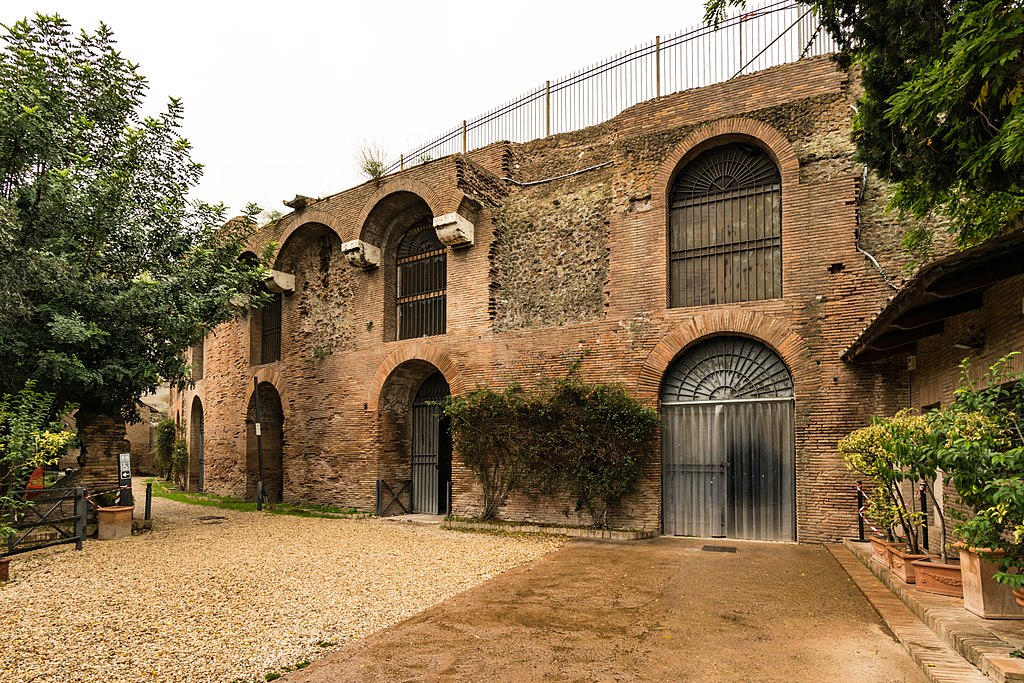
768	330
737	129
272	376
304	218
438	207
415	351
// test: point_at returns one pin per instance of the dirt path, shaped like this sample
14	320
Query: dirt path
660	610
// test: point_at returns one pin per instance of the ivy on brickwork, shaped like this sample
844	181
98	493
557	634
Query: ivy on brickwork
590	441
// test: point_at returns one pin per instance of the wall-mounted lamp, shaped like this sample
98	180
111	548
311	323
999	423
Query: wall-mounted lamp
972	341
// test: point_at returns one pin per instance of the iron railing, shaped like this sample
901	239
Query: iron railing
767	34
53	516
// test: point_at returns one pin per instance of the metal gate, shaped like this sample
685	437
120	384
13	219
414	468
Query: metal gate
727	448
431	448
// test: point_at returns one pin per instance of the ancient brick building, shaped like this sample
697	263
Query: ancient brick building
705	249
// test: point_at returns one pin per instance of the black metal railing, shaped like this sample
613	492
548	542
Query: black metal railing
50	517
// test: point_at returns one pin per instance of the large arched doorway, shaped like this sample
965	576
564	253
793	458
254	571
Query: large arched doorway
431	448
728	465
271	439
196	457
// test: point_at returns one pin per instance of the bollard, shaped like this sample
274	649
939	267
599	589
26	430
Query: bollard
149	501
860	517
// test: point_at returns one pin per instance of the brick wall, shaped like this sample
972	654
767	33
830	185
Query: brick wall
556	269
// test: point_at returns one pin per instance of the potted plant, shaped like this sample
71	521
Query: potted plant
32	435
887	451
980	441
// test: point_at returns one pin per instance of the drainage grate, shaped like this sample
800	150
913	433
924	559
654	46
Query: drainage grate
719	549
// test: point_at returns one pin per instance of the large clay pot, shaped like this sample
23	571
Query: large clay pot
982	595
1018	595
114	522
901	563
5	569
937	577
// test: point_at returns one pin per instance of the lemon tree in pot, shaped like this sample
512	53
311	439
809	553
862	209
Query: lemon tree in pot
980	445
888	452
32	435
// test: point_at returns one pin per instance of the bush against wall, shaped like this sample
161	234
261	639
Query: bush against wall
166	433
590	441
179	462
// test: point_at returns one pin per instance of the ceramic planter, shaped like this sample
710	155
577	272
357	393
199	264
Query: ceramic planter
938	577
880	551
115	522
900	563
982	595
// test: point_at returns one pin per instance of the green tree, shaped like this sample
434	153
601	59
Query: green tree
942	113
108	268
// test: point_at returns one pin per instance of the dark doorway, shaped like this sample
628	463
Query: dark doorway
196	458
431	448
728	465
272	435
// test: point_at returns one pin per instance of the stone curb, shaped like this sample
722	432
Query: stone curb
939	662
970	635
575	532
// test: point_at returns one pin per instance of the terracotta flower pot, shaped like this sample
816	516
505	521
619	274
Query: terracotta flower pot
982	595
900	563
937	577
114	522
880	550
5	569
1018	595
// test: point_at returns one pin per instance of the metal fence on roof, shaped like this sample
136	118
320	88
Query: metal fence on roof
766	34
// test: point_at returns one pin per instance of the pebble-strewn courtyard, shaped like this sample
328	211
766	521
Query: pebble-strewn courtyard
230	599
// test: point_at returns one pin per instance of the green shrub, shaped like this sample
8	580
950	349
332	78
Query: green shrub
166	433
591	441
179	462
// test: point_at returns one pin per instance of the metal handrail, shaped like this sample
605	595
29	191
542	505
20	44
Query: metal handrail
531	114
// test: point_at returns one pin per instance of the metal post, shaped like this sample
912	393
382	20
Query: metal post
81	510
924	509
259	444
860	517
657	66
378	498
463	137
547	109
401	162
149	501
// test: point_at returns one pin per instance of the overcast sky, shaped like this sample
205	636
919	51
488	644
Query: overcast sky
279	96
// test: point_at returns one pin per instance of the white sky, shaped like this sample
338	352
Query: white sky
279	96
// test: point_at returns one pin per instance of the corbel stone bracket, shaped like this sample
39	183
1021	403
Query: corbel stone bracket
361	254
279	282
454	230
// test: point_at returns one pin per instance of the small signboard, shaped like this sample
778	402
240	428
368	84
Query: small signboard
124	479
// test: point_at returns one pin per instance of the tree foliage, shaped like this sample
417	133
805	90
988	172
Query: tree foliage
32	435
942	113
108	268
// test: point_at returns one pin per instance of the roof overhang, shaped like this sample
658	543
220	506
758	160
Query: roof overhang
947	287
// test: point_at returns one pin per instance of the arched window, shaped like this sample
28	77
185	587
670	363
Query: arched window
421	283
725	228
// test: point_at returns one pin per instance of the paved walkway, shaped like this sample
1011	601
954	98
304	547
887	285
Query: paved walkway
657	610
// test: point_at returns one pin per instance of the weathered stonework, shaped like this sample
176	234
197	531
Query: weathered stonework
558	269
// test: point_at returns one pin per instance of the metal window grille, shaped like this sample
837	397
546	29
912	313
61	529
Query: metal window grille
725	228
422	283
270	331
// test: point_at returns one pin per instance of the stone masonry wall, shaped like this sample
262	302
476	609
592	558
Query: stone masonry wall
562	270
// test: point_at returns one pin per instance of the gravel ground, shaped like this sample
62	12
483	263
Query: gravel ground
230	599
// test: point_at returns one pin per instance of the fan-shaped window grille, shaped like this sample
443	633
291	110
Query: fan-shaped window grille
725	228
726	368
422	283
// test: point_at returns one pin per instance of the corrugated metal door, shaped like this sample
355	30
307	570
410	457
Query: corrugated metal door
727	447
431	450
